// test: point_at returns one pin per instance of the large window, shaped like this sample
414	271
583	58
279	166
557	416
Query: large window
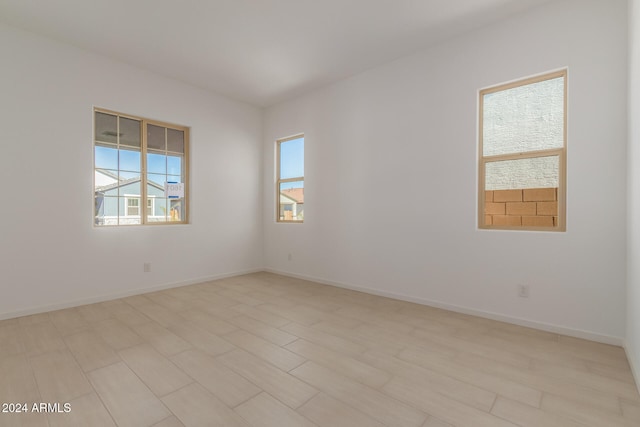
523	154
138	159
290	179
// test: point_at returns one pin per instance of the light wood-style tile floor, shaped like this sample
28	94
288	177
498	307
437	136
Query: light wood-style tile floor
272	351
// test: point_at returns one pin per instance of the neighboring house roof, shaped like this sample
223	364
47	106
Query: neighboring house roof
295	194
108	173
104	177
126	182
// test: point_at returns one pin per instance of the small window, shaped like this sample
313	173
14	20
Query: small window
523	154
135	159
290	179
133	206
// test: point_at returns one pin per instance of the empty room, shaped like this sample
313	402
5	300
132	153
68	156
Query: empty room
335	213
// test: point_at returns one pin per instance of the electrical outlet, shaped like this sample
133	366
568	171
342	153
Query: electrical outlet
523	291
147	267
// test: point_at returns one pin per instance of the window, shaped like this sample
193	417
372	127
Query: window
290	179
135	159
133	206
523	154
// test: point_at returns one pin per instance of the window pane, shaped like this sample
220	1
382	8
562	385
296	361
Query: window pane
130	187
159	212
129	132
125	218
522	193
156	137
155	189
291	201
176	211
174	165
106	157
105	178
99	208
157	163
130	160
106	210
524	118
174	178
175	140
106	127
156	180
537	172
292	158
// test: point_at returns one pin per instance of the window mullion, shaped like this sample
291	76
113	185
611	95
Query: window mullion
143	172
524	155
118	193
299	178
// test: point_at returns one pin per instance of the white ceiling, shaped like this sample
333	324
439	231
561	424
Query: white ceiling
258	51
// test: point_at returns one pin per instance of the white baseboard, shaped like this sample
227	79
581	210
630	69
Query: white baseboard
577	333
632	358
117	295
561	330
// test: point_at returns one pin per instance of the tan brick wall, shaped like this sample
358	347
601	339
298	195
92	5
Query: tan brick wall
531	207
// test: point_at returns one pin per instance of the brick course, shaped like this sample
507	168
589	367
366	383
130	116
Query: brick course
507	195
521	208
507	220
537	221
539	195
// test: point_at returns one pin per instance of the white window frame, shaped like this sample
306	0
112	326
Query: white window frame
130	197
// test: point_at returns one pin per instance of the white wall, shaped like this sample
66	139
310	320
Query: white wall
50	254
391	177
633	242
